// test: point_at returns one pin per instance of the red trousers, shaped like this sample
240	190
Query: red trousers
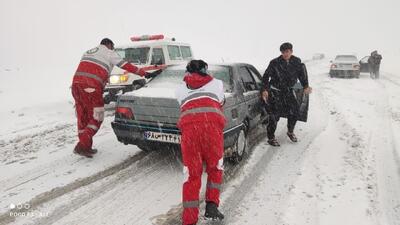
201	142
89	107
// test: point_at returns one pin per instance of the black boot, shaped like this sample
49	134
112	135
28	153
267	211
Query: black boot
83	151
93	151
292	137
212	212
273	142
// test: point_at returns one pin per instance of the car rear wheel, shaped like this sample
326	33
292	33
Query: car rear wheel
240	147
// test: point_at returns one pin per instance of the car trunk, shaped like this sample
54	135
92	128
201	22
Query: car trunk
345	66
155	109
152	109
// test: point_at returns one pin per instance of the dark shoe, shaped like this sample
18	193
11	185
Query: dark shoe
190	224
93	151
292	137
273	142
79	150
212	212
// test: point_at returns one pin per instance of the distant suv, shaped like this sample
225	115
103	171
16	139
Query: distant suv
148	117
150	53
345	66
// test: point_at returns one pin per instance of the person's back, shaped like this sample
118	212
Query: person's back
87	89
201	124
200	92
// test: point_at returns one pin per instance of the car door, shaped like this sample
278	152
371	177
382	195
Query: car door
251	93
364	67
256	113
302	99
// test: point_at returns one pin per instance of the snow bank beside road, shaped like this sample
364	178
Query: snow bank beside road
20	88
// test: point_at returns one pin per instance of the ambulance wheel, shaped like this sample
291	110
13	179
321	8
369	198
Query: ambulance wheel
240	147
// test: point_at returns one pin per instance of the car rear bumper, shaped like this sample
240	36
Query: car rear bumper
344	72
135	134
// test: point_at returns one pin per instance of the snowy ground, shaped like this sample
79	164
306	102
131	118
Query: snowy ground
344	170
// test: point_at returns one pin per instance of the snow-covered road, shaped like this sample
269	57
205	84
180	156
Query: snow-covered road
344	170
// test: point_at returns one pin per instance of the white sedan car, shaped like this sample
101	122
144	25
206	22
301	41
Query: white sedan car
345	66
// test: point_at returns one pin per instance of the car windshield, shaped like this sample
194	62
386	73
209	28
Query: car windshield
135	55
346	58
172	77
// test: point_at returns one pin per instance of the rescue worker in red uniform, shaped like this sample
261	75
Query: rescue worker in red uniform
201	122
87	89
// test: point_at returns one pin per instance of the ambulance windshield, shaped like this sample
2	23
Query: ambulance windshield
135	55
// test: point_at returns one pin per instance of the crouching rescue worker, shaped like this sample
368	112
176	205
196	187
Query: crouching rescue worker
87	89
201	122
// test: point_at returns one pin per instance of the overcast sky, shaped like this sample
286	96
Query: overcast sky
53	34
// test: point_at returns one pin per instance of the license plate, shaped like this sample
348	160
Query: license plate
162	137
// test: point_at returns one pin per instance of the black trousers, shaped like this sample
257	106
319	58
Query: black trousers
374	71
283	104
273	123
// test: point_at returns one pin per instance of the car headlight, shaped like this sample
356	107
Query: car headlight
114	79
124	78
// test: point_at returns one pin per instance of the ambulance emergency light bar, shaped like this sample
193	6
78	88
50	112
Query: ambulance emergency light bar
149	37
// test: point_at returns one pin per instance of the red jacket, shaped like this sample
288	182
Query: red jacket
201	99
96	65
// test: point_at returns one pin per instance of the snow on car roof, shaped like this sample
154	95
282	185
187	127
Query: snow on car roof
151	43
346	56
210	65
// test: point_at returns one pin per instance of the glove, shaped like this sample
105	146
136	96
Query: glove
307	90
140	72
152	74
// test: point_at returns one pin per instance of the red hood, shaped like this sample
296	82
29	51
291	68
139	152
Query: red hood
195	80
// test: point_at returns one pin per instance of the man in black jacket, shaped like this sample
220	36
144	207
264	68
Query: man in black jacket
278	80
374	62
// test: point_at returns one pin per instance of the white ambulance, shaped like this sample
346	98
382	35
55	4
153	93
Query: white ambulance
150	52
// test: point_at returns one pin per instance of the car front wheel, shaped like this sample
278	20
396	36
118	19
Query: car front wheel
240	147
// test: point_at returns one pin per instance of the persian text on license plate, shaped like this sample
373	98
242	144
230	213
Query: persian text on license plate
162	137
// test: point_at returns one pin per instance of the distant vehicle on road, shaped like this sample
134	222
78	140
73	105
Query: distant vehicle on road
345	66
318	56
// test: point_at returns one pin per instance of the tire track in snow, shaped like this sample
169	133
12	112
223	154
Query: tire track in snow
143	165
45	197
173	216
391	195
371	148
21	149
289	158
